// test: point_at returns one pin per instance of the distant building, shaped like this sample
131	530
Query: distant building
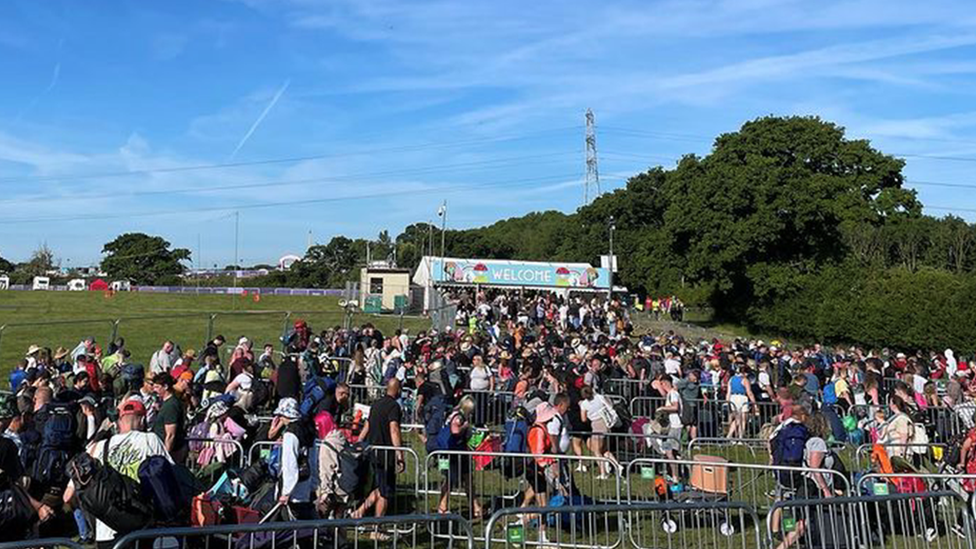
384	287
287	261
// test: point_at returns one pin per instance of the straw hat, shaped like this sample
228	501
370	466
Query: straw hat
60	353
32	350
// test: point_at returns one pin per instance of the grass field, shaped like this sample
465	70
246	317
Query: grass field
52	319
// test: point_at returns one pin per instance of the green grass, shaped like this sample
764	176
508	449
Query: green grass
52	319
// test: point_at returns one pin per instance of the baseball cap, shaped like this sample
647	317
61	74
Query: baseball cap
132	407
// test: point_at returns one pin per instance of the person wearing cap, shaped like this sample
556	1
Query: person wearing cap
127	450
170	422
294	489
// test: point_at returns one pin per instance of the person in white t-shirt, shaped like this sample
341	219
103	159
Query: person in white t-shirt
672	407
558	427
126	452
595	409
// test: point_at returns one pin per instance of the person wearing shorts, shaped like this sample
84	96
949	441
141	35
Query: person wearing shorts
672	407
739	395
592	410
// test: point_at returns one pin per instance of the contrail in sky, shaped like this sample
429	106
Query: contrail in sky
55	75
267	109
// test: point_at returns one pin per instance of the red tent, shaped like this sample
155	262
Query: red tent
98	285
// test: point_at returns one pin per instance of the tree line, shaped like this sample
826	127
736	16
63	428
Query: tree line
785	226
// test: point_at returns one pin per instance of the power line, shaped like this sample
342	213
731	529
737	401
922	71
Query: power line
502	163
286	160
434	190
635	132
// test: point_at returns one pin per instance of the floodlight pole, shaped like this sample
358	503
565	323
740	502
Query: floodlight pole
611	262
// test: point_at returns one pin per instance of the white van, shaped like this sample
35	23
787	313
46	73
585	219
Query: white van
120	286
77	285
41	283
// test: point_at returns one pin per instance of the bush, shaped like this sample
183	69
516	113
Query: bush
927	309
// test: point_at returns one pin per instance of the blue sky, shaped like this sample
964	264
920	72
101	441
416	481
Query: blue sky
386	107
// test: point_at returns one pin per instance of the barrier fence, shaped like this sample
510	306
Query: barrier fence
936	519
366	532
472	482
189	330
713	479
640	526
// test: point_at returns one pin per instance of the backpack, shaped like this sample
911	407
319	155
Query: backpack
108	495
48	470
160	485
315	391
16	378
434	414
60	428
260	393
789	443
787	449
953	450
517	432
829	394
17	515
838	466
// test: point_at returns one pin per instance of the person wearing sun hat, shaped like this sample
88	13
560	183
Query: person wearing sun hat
294	488
31	356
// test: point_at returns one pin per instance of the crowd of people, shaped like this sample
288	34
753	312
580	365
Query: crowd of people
549	374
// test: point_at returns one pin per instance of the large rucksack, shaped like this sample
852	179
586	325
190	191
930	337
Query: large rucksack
516	441
434	414
108	495
17	515
315	391
787	448
58	441
160	485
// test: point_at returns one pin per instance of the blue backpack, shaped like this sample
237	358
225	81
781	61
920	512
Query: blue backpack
788	446
435	424
567	518
829	394
516	436
313	392
16	378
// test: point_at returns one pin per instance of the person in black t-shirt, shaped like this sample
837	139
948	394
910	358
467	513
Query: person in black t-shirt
383	430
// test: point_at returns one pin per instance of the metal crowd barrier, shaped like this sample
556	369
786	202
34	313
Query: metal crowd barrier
712	479
932	453
628	388
934	482
400	504
628	446
365	532
732	525
910	521
473	481
711	417
45	543
737	450
491	408
236	458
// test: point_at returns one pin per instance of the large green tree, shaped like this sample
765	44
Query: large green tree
143	259
6	266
